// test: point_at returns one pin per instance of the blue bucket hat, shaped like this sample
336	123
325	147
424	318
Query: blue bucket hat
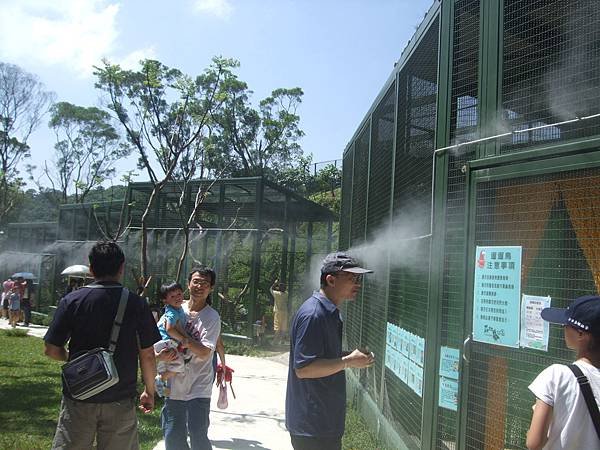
583	314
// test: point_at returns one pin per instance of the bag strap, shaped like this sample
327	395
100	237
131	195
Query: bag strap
103	286
114	334
588	395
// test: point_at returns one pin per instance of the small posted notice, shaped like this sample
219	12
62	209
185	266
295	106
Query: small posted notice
534	329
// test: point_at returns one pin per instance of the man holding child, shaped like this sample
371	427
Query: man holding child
187	408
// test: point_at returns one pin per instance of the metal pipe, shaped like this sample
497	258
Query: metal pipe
270	230
475	141
508	133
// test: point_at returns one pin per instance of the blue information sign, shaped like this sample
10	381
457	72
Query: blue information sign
496	295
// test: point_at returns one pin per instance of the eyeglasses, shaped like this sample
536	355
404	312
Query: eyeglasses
201	283
355	278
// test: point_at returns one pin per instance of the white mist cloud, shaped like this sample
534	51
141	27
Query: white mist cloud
75	34
219	8
403	244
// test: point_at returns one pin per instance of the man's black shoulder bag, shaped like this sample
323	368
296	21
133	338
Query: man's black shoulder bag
95	370
588	395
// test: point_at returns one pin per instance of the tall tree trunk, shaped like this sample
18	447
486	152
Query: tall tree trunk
184	251
144	246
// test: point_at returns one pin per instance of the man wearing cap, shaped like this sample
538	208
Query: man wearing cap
315	405
561	419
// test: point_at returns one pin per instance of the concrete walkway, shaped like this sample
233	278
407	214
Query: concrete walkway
32	330
255	419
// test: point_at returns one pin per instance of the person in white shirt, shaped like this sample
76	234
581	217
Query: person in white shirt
186	411
561	419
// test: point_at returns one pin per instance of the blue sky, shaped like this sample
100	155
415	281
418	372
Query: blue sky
340	52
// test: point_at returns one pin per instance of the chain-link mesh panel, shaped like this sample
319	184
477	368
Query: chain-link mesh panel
378	211
409	278
31	236
357	229
551	70
463	126
346	199
554	219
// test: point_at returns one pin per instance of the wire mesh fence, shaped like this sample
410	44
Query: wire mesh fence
538	95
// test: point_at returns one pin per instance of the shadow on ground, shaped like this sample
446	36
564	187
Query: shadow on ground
239	444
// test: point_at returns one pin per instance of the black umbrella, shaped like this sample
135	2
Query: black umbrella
25	275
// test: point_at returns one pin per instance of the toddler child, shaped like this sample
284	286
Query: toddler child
172	330
561	419
14	307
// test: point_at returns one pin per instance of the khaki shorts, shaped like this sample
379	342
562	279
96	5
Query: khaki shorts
113	425
280	321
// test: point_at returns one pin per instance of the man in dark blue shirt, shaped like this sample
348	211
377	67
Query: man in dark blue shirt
315	405
84	318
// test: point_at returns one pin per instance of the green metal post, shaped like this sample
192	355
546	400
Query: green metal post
283	275
490	75
256	251
291	277
437	240
329	235
309	248
219	238
362	292
387	278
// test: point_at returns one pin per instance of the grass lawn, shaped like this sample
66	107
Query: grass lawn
30	392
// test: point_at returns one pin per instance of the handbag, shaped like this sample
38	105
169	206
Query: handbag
588	395
95	370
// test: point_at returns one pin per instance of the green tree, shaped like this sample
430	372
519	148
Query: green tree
86	150
256	141
35	207
23	103
164	114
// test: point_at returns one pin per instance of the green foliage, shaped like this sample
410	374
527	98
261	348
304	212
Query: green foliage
86	150
15	332
40	318
165	112
329	199
357	435
241	348
256	141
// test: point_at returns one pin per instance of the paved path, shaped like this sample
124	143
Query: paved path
255	419
32	330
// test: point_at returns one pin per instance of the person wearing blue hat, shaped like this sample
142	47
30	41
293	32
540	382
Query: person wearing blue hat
561	418
315	405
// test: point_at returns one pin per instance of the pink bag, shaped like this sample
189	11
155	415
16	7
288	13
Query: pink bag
222	401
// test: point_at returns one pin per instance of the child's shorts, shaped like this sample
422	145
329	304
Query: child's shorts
177	365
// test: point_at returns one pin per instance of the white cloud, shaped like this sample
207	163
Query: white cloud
132	60
219	8
76	34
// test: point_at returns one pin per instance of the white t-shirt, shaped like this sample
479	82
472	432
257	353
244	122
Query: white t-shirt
197	378
571	426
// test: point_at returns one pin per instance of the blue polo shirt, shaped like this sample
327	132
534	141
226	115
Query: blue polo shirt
315	407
